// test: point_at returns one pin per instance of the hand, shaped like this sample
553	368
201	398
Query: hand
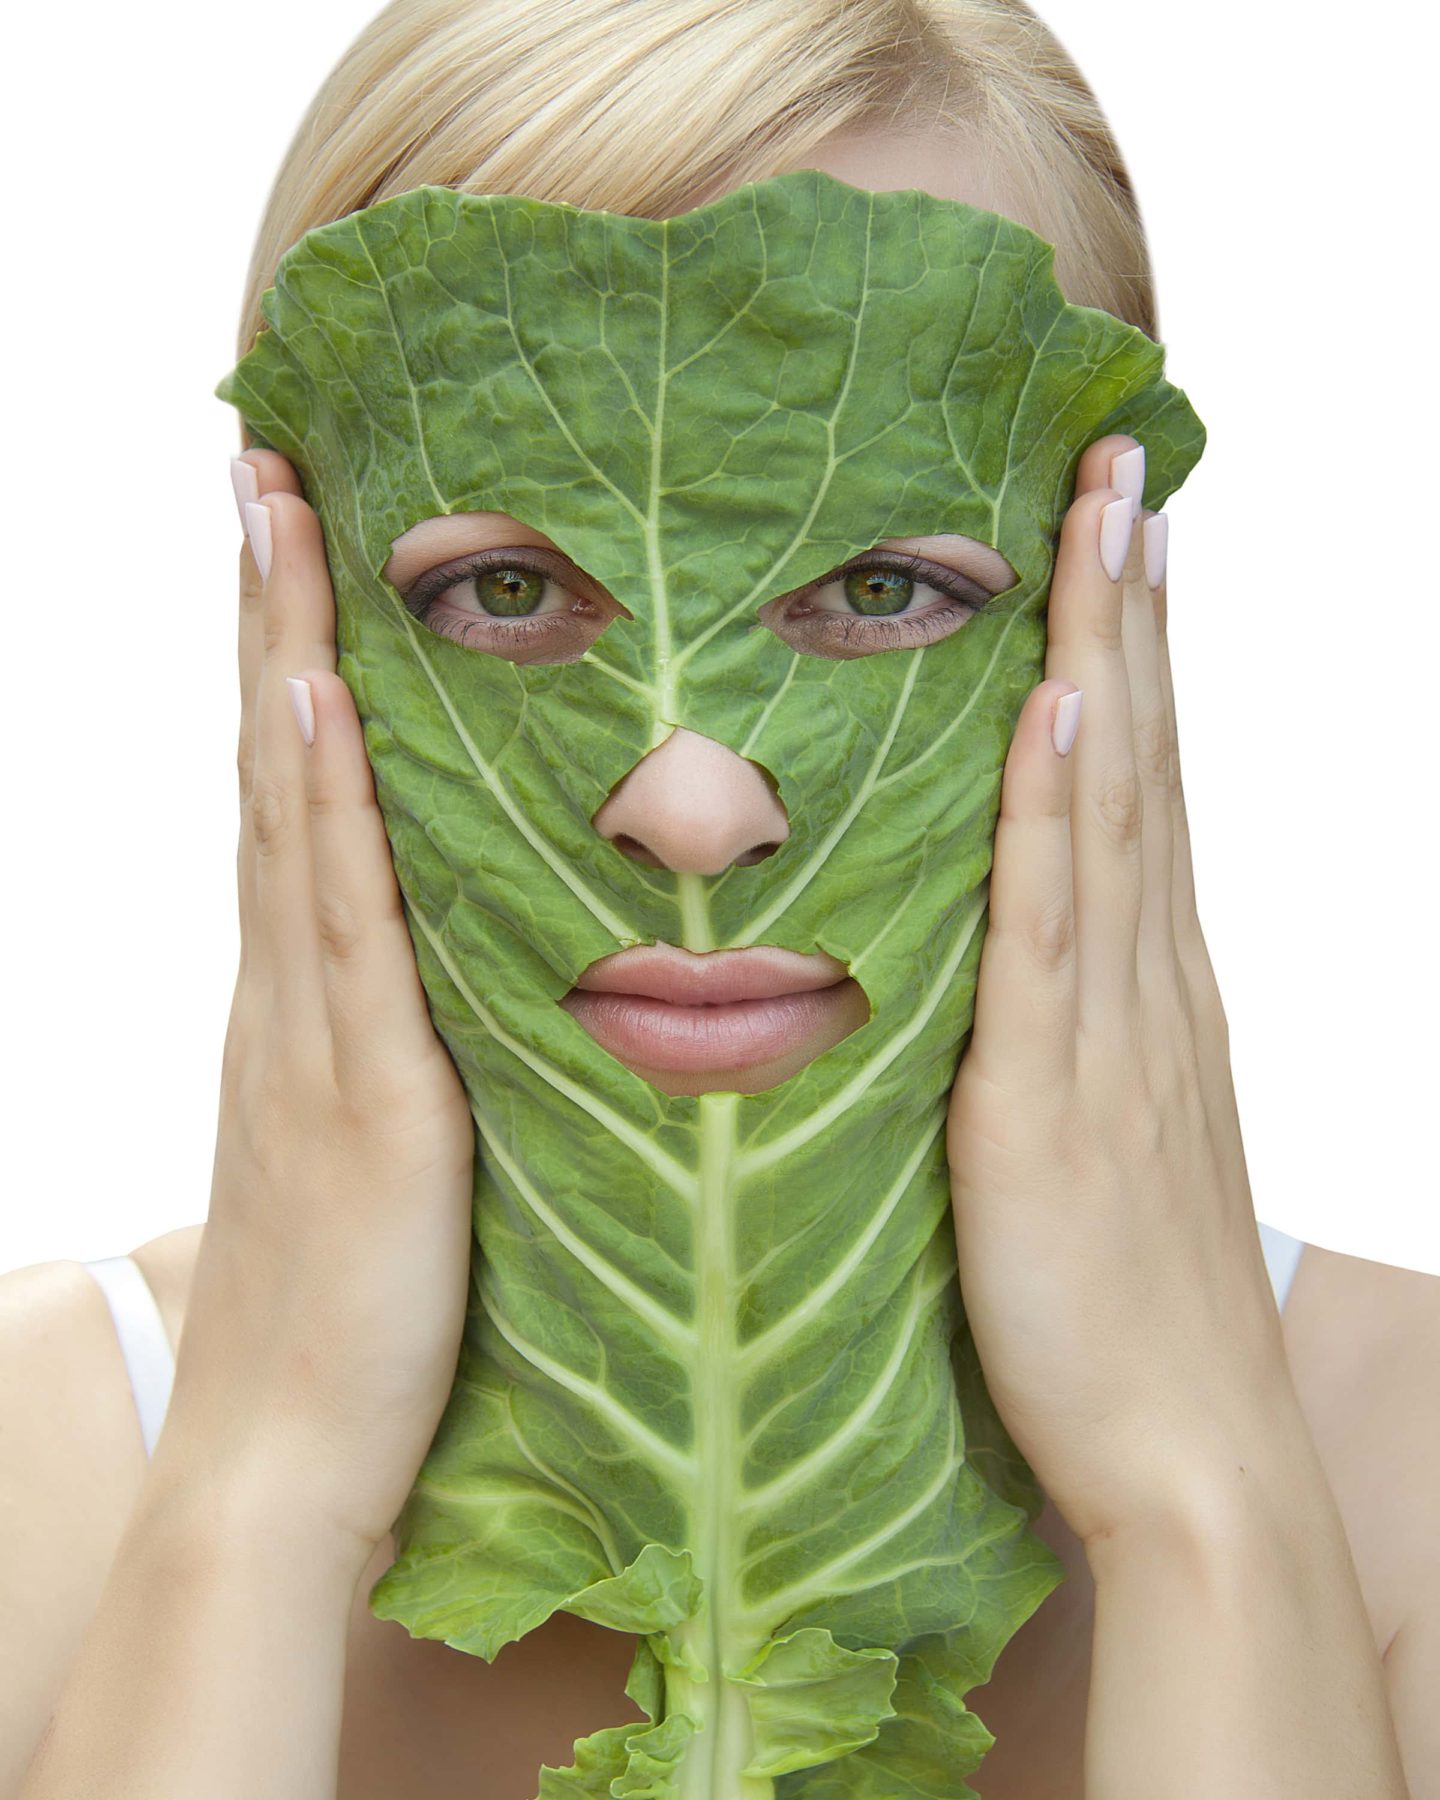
1108	1255
323	1331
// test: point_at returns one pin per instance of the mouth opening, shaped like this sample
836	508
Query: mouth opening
719	1021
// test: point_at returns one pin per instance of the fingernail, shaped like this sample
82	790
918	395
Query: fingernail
1157	543
1067	721
1127	474
303	702
1116	521
257	522
246	484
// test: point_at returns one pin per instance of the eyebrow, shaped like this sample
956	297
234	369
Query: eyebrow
449	535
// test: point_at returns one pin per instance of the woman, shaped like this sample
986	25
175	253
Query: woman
308	1388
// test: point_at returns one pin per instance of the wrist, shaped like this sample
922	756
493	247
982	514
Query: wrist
210	1508
1219	1498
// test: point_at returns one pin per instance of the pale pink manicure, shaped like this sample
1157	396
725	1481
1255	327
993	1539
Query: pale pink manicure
246	484
1116	520
1127	475
303	702
1067	721
1157	544
257	521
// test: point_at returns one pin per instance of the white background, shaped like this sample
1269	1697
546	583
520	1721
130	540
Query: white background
1283	173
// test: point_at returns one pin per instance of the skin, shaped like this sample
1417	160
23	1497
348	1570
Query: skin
691	805
1103	1221
1098	1068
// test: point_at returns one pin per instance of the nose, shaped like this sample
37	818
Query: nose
694	806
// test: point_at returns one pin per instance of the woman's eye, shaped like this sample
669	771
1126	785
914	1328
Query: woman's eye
512	606
871	593
534	606
889	604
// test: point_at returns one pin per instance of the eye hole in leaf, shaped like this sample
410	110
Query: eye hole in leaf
526	605
883	600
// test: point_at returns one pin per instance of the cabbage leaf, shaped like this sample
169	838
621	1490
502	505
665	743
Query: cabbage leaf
716	1387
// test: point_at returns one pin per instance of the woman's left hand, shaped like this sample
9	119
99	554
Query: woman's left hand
1109	1260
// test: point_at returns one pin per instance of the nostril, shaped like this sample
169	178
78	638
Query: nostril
636	851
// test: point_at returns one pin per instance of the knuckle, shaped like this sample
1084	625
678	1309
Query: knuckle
252	589
245	764
325	803
1154	750
341	925
1120	809
1049	935
272	815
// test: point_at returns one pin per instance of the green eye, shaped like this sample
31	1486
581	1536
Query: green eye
509	593
878	591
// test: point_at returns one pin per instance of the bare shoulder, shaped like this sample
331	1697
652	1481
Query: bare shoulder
1363	1340
73	1462
65	1400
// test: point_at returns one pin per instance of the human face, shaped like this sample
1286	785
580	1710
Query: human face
690	576
740	1021
691	715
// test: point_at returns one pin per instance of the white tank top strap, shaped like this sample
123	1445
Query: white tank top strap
149	1360
1282	1258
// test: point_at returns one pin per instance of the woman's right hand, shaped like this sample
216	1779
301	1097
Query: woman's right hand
324	1324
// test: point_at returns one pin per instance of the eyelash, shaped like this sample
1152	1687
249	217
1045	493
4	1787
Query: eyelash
514	633
902	628
833	626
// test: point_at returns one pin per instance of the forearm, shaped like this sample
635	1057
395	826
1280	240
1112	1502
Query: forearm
1233	1653
214	1663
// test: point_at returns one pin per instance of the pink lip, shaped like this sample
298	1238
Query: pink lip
658	1007
687	978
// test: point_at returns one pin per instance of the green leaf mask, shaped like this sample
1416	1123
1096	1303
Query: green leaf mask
716	1387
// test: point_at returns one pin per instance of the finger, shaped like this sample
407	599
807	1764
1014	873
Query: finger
257	472
1086	648
1156	536
1190	948
298	631
1118	461
1154	749
1112	462
373	990
252	474
1025	1003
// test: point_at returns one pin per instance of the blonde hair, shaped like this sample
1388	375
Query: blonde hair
635	106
